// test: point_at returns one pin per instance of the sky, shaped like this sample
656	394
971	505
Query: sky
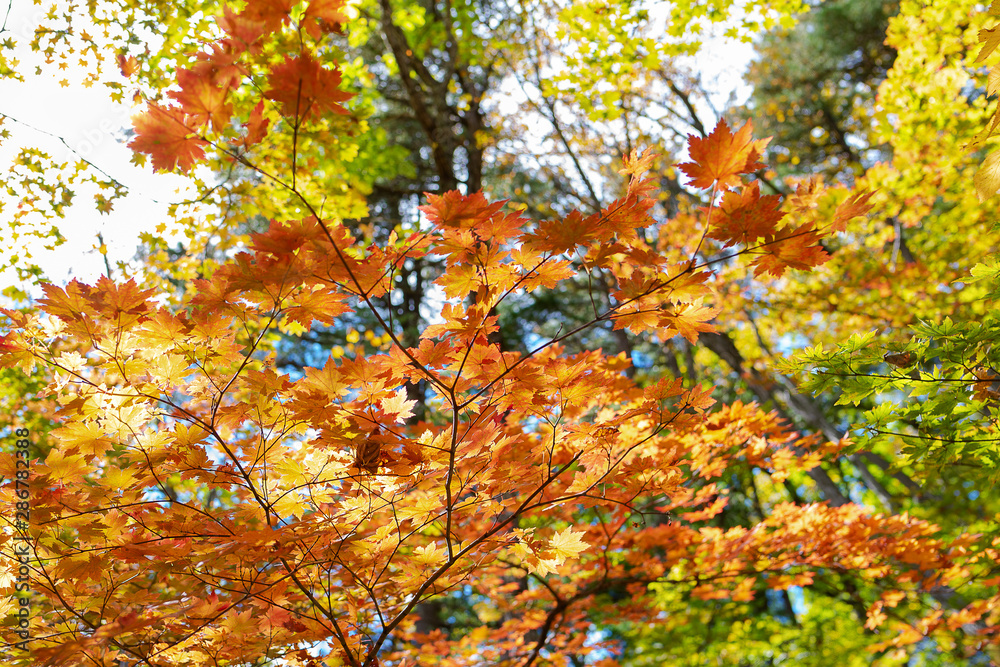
93	128
73	122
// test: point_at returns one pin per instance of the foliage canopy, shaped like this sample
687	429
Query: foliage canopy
404	386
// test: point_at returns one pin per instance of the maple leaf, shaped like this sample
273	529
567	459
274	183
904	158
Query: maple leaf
987	178
722	156
791	247
272	13
239	623
256	126
123	301
304	88
854	206
990	39
561	235
127	65
202	100
245	31
327	15
453	209
638	163
547	274
635	166
689	319
397	406
567	543
7	344
316	306
993	82
327	10
428	555
461	281
744	216
164	134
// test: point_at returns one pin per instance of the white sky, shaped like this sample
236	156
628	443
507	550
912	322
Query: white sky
93	126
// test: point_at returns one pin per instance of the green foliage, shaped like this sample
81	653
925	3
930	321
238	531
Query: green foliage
935	396
794	628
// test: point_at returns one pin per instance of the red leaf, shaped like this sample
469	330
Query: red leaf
243	30
272	13
796	248
6	344
328	16
453	209
221	67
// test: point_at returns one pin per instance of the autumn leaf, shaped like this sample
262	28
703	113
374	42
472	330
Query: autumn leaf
745	216
331	11
202	100
256	126
567	543
164	134
397	406
453	209
791	247
854	206
305	89
990	39
722	156
987	178
299	444
327	15
689	319
127	65
429	555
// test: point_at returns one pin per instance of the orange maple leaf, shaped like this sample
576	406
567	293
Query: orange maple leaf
453	209
690	319
164	134
272	13
127	65
328	16
854	206
256	126
7	344
304	88
722	156
745	216
244	31
791	247
202	100
327	10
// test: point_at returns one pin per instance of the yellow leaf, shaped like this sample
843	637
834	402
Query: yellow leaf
567	544
241	623
993	81
990	39
66	469
398	405
428	555
987	179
